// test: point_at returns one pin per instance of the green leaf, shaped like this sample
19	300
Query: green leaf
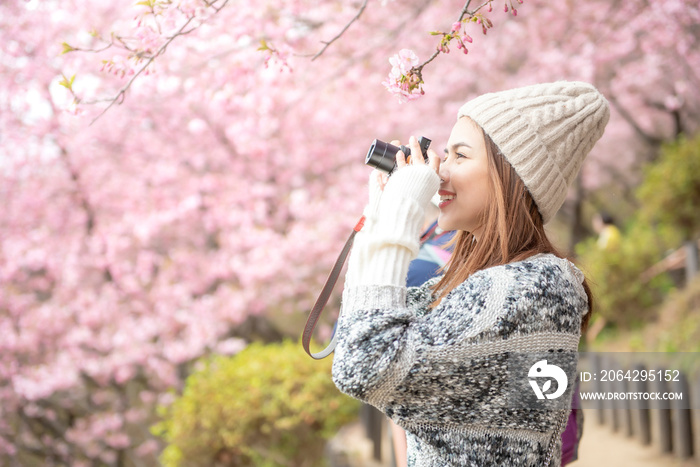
67	48
67	82
263	45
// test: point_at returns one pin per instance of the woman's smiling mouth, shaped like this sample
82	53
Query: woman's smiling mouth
446	198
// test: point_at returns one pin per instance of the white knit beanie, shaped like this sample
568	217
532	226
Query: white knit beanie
545	132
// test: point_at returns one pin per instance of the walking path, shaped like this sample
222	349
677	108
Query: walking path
602	447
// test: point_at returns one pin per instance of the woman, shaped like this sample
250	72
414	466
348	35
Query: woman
432	358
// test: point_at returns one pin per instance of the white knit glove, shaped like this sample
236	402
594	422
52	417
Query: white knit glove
381	253
371	211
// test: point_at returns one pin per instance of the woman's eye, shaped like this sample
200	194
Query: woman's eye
459	155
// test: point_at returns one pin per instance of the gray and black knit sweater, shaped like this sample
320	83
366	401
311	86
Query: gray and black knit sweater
439	372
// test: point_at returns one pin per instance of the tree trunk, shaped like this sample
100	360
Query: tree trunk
691	260
578	229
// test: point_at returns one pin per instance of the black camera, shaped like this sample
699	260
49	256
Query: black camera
382	156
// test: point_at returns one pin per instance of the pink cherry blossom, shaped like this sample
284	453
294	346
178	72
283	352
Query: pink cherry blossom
149	39
402	82
191	7
403	61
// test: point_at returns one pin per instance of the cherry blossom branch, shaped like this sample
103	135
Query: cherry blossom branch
14	440
36	424
121	94
465	11
622	180
347	26
406	77
139	55
650	139
90	215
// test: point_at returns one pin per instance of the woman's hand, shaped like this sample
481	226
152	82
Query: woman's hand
433	160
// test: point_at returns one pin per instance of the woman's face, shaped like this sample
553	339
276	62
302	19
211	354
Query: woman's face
465	187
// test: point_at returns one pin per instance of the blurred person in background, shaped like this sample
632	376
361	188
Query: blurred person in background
608	233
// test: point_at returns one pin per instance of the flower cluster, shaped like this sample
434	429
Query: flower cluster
512	8
278	57
404	80
455	33
483	21
156	24
118	65
192	8
149	40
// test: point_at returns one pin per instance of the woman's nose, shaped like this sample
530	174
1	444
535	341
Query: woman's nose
444	173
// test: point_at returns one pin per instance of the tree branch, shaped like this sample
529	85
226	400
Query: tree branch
119	97
347	26
122	92
650	139
36	423
79	191
418	70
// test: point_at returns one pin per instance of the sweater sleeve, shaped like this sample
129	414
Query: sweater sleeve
384	345
379	261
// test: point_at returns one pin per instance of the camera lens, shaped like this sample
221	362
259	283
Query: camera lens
382	156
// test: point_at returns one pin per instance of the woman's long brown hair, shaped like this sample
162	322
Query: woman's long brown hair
512	231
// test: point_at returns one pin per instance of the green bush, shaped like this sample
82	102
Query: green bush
269	405
621	295
668	216
670	193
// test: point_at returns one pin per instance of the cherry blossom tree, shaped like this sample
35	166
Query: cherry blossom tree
171	169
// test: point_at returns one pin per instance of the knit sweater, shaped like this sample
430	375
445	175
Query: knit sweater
439	373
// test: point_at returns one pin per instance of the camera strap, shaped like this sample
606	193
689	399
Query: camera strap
325	295
431	234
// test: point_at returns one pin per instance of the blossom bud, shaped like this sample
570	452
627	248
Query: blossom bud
467	38
457	26
515	12
505	8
